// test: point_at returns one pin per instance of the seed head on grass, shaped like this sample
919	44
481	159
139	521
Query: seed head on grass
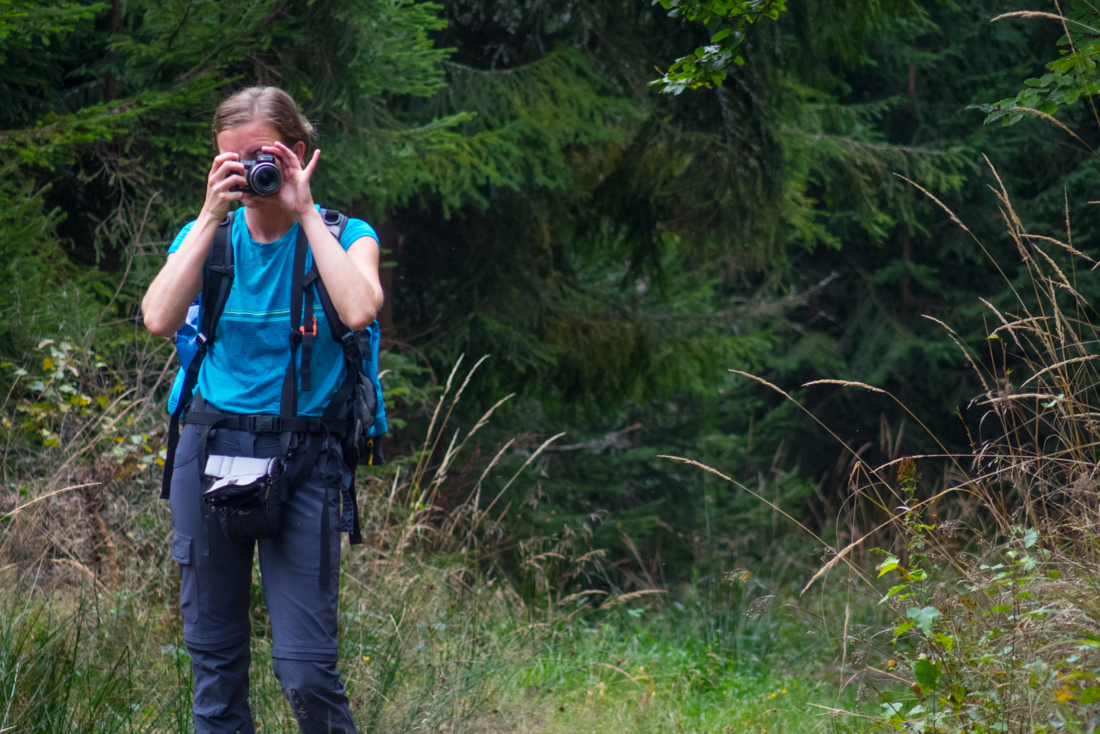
759	606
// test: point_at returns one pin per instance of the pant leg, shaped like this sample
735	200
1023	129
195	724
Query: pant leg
214	597
221	690
319	699
303	615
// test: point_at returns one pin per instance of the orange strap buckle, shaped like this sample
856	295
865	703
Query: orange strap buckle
314	332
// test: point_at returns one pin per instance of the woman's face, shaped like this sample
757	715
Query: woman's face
247	142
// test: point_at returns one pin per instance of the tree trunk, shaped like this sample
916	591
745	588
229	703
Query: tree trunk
110	82
390	241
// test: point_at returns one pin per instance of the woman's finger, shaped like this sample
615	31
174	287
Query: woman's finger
287	160
231	167
308	173
232	196
220	160
228	168
228	183
217	162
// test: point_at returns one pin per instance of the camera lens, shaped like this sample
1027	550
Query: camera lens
265	179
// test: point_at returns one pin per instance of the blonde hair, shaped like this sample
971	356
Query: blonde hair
268	104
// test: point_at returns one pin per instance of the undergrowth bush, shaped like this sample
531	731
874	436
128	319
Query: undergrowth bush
432	624
993	568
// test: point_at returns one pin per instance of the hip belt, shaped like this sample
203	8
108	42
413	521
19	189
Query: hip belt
264	423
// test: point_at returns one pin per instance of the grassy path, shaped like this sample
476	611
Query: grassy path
423	650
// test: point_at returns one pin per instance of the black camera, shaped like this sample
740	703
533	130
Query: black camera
261	176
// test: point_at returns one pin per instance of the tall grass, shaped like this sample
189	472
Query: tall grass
990	567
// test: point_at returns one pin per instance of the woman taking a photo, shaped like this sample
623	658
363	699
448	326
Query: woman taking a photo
243	377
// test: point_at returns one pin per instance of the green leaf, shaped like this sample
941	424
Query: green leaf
1063	64
892	709
1031	537
947	642
891	592
903	628
923	617
890	564
927	674
1090	695
720	35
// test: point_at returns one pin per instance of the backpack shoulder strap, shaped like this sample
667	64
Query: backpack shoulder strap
288	402
336	221
217	279
301	335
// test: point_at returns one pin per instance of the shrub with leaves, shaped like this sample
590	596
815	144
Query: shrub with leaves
994	572
990	644
72	396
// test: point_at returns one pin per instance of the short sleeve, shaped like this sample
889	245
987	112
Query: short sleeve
355	230
180	237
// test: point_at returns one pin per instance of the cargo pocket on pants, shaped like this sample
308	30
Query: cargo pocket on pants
189	591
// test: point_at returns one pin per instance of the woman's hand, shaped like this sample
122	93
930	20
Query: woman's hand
226	173
180	280
294	195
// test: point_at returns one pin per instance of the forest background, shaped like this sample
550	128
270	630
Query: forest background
615	246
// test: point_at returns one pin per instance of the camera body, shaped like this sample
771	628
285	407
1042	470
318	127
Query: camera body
261	176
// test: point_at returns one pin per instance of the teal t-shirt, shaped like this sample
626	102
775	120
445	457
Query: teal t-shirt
245	365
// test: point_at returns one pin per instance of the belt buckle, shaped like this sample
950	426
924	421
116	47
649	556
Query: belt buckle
263	424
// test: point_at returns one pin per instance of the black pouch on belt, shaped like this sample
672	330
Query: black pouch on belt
248	494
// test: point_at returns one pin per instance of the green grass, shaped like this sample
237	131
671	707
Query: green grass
470	657
424	648
655	677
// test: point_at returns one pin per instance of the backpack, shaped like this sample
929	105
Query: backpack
356	413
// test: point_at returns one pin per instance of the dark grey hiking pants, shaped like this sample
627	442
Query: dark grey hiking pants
216	576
